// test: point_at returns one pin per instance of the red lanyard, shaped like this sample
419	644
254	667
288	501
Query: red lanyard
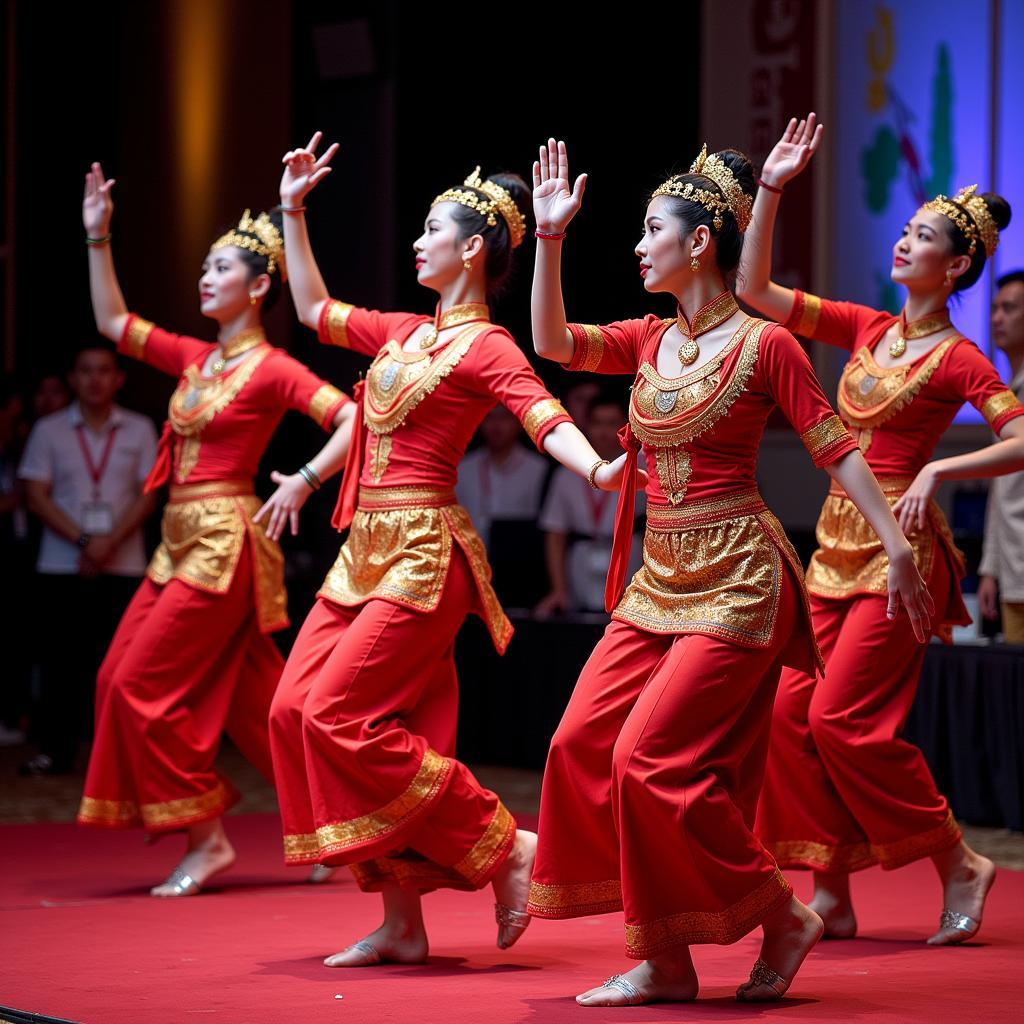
597	500
95	472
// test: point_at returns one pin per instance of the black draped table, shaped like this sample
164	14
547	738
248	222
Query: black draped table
968	716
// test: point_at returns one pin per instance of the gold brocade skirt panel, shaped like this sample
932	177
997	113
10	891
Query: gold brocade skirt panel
399	548
203	531
717	568
850	559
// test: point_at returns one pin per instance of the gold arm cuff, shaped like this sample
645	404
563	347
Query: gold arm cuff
1000	403
135	337
810	311
592	340
336	322
325	398
540	413
823	436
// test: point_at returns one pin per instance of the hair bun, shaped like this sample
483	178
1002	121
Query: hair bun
998	208
741	167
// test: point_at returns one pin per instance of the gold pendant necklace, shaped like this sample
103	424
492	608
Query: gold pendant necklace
707	318
241	342
934	321
452	317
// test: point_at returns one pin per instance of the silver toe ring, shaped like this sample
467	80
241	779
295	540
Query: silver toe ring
182	883
762	974
627	988
368	950
958	922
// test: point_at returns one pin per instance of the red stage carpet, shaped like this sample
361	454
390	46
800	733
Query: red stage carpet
82	940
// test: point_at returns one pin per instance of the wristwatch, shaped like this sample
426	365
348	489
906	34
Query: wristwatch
84	540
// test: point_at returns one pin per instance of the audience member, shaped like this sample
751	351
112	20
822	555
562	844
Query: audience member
578	522
1001	583
83	469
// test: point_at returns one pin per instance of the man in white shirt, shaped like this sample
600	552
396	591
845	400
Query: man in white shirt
501	479
578	523
1002	561
83	470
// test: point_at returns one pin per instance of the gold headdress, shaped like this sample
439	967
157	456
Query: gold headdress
498	200
967	210
731	197
259	236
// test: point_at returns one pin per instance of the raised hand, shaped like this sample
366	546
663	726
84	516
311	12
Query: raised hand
793	151
303	170
97	204
554	205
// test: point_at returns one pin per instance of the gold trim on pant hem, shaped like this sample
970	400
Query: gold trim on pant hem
720	927
581	899
413	873
338	838
490	850
162	816
797	853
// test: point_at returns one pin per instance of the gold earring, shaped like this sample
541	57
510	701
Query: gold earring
695	265
949	275
467	264
252	299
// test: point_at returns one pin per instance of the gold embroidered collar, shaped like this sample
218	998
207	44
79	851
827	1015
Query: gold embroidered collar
708	317
937	320
453	316
241	342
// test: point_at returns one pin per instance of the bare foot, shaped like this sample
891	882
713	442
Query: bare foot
321	873
966	880
389	944
789	935
832	903
209	853
669	978
512	887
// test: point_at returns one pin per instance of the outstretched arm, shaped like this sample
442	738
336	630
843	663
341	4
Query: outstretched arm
293	489
554	205
753	278
303	170
108	305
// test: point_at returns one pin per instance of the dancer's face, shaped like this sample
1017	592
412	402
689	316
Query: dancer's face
924	252
664	256
440	251
226	284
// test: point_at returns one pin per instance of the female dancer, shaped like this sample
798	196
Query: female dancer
192	656
363	723
653	774
843	789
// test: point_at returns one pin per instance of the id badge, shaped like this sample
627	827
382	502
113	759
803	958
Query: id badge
98	519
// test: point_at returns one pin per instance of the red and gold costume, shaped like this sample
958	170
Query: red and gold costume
653	774
363	724
843	790
192	655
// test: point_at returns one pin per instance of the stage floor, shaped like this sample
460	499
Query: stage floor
84	941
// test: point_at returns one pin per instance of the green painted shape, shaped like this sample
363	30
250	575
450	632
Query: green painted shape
888	294
879	167
940	135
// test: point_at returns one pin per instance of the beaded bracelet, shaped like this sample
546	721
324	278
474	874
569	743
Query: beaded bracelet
770	188
98	241
549	236
593	472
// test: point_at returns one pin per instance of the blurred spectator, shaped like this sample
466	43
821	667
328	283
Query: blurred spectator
578	523
579	396
501	479
83	469
1001	570
50	395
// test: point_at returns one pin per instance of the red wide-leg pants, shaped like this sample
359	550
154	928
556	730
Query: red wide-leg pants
184	666
651	785
362	731
843	790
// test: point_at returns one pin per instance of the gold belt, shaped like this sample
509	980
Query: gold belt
210	489
705	513
889	485
384	499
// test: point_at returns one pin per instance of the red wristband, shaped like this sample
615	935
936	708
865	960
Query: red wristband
770	188
548	236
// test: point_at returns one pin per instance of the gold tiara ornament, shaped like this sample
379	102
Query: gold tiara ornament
498	201
260	236
730	193
969	213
